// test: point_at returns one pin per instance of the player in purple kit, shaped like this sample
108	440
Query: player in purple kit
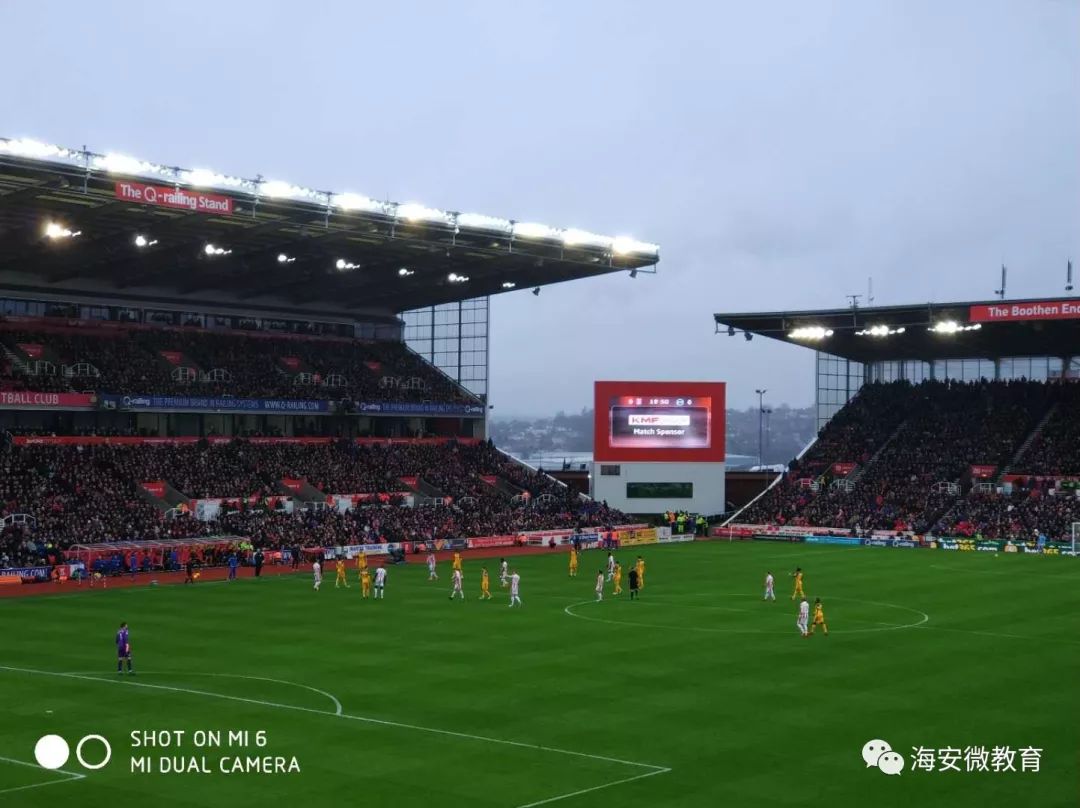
123	650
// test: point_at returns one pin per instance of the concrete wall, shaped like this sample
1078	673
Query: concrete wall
707	479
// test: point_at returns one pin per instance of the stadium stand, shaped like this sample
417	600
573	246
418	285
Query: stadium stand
86	493
1055	449
132	360
910	455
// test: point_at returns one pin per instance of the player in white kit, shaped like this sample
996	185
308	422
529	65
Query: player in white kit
610	566
457	590
769	594
380	583
503	576
600	585
515	589
804	618
316	569
431	574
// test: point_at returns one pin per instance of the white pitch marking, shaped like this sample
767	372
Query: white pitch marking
1006	573
925	618
1003	636
550	800
653	769
71	776
337	704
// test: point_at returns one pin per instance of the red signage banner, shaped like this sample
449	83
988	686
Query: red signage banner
173	357
1037	310
32	400
1024	478
155	487
164	196
492	541
33	350
843	469
292	484
983	472
291	362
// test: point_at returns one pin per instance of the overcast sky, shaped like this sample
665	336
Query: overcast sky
779	152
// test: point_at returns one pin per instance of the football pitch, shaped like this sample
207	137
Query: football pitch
698	694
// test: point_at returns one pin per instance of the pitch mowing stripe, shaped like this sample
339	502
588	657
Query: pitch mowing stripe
653	769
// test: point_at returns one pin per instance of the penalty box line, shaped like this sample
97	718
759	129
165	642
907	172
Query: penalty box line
70	778
652	769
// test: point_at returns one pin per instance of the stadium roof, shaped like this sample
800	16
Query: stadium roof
127	228
923	331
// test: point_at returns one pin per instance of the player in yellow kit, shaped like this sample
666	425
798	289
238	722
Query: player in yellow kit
485	585
618	579
573	563
819	618
341	579
361	563
797	575
365	582
457	562
640	567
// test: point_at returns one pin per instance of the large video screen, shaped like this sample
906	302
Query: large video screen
659	421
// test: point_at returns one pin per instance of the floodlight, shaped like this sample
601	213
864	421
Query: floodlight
534	230
624	245
480	221
58	231
814	332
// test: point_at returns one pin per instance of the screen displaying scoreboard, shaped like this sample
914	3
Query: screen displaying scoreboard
659	421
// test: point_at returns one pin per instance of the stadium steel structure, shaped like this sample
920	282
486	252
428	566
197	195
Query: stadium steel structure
966	341
109	229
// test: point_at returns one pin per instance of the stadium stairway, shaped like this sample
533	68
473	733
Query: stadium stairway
511	459
508	489
857	474
305	492
46	364
1018	455
426	489
16	361
170	498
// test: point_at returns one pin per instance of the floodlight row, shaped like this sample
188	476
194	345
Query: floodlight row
410	212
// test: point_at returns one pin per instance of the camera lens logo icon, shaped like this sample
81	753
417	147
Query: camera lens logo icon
52	752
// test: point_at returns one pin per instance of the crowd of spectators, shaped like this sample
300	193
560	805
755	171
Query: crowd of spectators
73	495
85	494
1056	449
153	362
196	470
1032	509
944	429
852	436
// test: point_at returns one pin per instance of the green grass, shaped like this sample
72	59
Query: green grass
699	677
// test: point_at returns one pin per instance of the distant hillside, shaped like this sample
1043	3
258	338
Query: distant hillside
789	430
